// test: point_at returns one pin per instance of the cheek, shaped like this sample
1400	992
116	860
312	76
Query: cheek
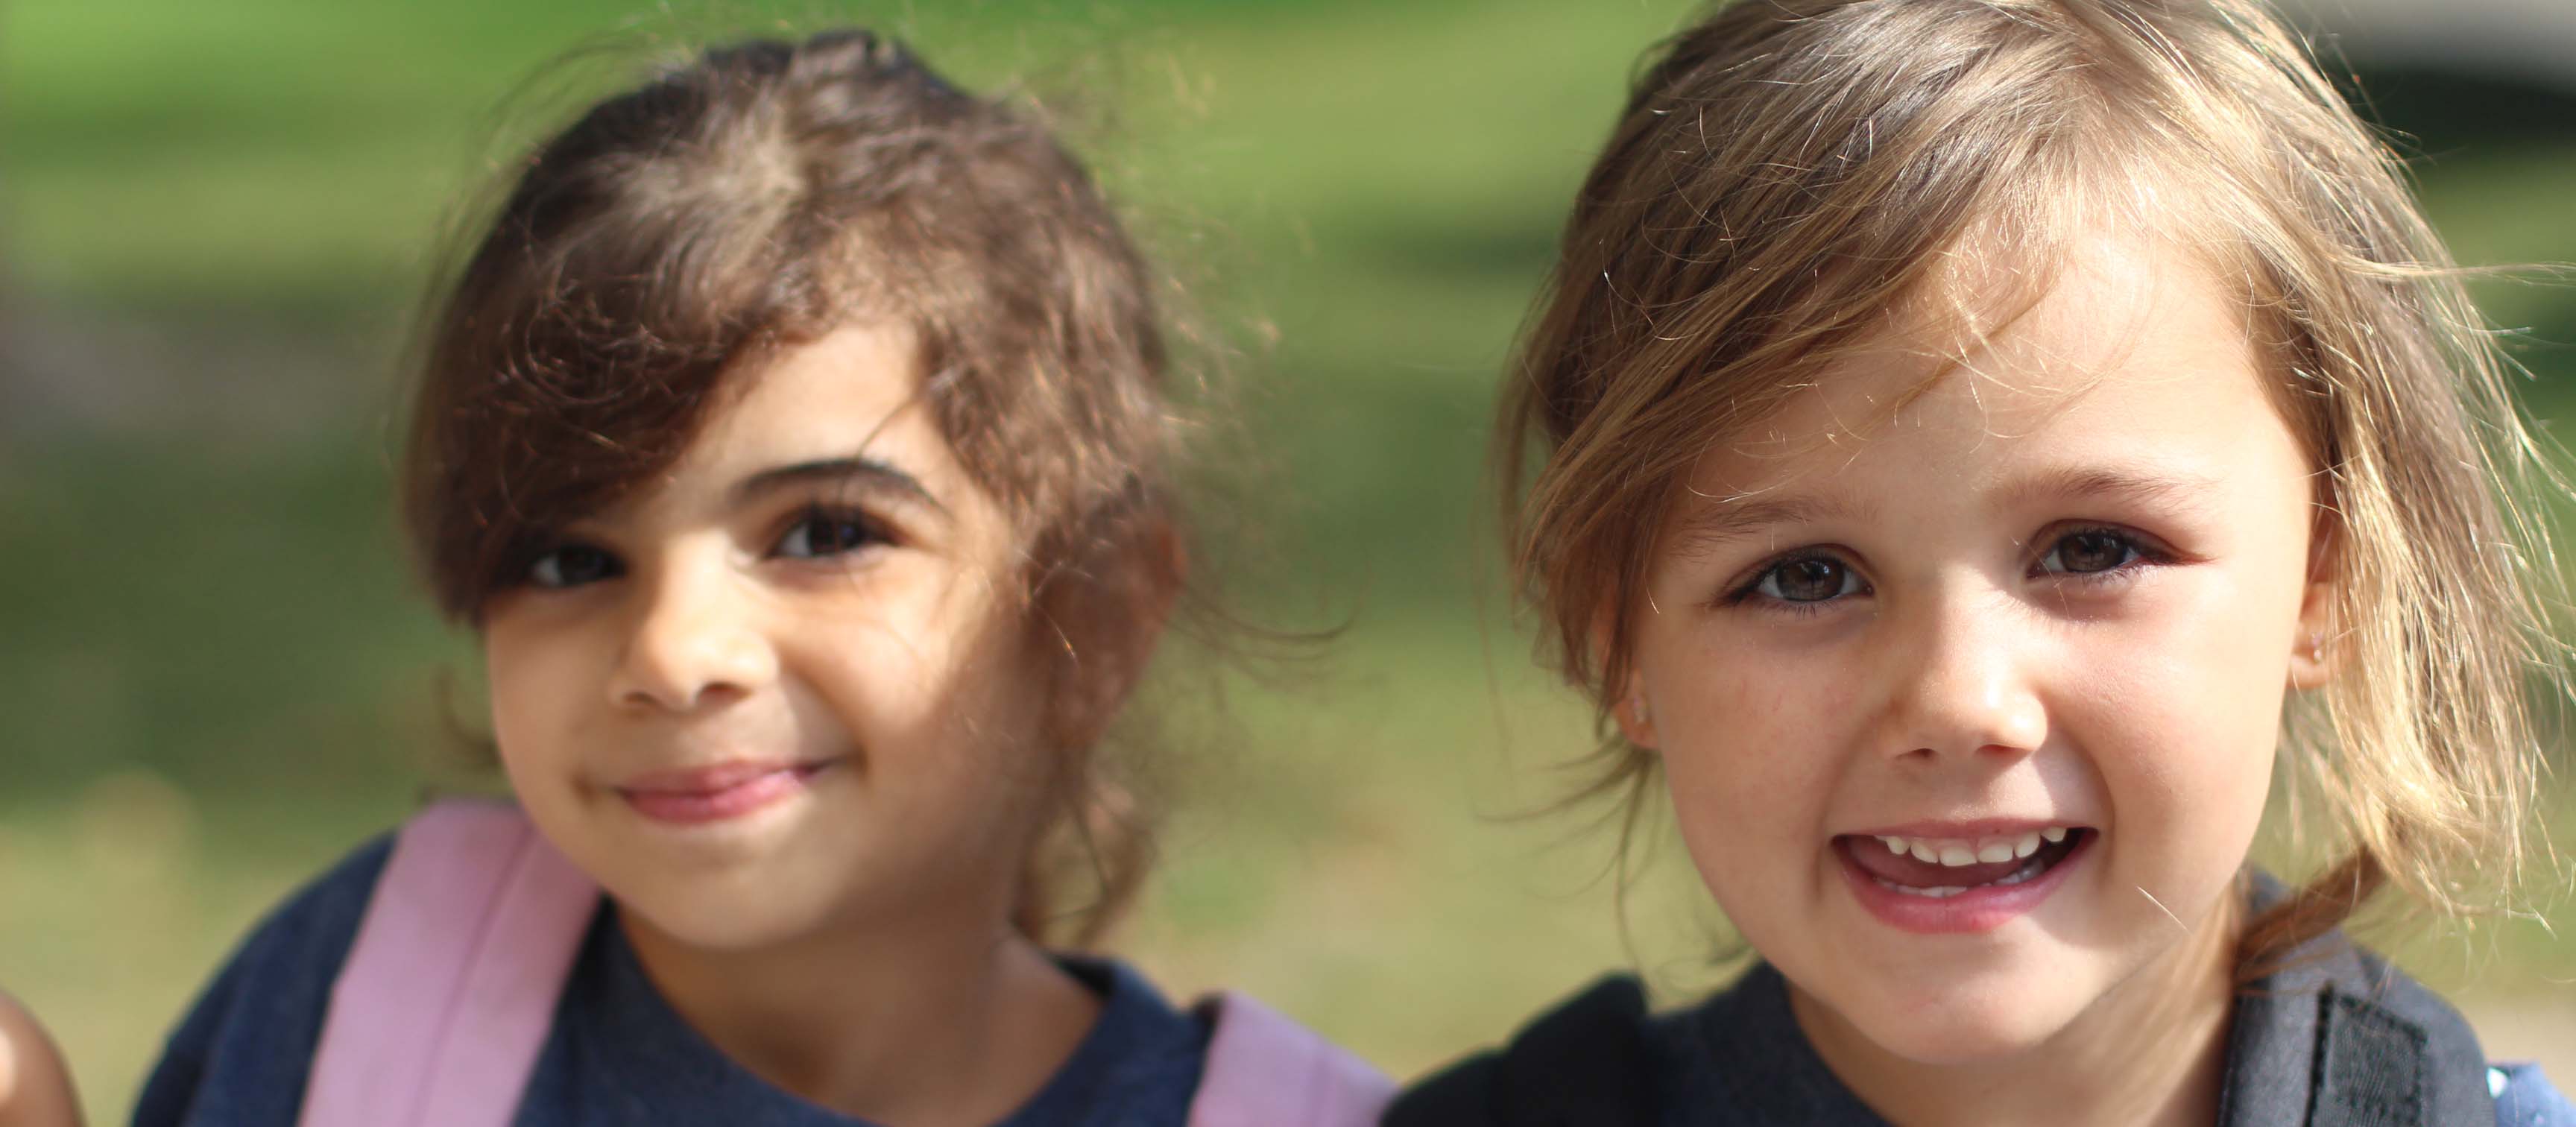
1747	744
931	685
539	681
881	687
2180	711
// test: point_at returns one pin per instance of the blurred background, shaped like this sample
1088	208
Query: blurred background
215	677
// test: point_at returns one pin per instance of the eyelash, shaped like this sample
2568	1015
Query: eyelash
2136	549
868	532
1749	589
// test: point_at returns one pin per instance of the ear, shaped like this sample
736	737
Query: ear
1636	717
1628	705
2312	651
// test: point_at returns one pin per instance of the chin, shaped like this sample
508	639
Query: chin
1966	1026
722	919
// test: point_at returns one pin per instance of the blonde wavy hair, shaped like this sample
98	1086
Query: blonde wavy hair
1787	172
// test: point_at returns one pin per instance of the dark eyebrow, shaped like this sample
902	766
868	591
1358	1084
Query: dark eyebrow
860	471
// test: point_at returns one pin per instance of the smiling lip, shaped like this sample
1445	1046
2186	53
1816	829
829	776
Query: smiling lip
699	795
1988	827
1978	909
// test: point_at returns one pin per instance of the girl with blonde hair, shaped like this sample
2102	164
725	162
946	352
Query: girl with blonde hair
1961	443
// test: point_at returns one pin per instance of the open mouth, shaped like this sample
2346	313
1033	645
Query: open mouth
1960	885
1940	868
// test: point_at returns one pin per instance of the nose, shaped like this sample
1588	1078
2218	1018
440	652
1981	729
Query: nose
692	642
1961	680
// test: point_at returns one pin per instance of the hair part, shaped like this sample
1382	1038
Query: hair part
1789	176
674	237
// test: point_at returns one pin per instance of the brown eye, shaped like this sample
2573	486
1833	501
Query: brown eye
572	565
1813	579
824	533
2088	552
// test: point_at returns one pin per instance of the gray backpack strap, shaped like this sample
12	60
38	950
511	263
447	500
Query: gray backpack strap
2370	1066
2346	1041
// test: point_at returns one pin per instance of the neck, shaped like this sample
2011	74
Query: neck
2150	1051
916	1020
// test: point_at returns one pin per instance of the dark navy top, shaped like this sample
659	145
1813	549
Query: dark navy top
1751	1022
618	1053
2334	1038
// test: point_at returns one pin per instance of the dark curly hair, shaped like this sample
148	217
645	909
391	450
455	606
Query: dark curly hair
758	197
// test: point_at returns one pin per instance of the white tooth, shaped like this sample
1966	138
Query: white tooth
1994	851
1923	852
2054	834
1894	844
1943	892
2027	845
1953	856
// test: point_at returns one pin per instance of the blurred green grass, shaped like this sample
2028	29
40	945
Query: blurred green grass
215	677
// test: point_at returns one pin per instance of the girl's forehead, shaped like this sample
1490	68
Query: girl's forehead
2127	341
2024	343
853	395
855	388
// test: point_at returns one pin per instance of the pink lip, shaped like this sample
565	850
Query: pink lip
698	795
1984	827
1973	911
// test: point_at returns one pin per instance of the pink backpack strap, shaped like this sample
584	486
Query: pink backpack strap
1264	1070
445	1000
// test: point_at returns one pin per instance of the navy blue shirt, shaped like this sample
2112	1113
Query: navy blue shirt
618	1053
1740	1057
2335	1039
